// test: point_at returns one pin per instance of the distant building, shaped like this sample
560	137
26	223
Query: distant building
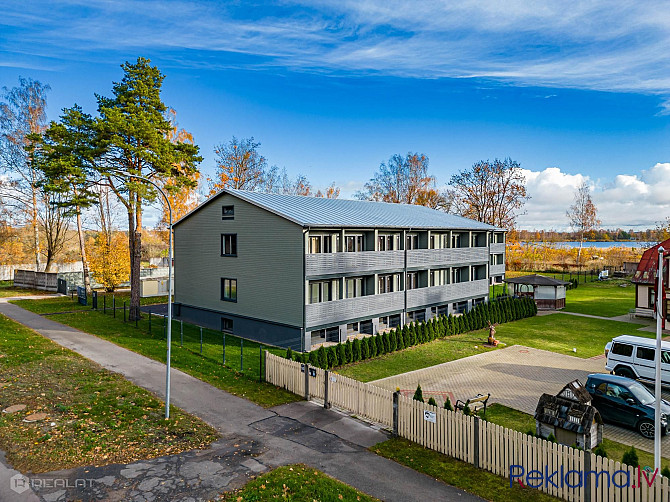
297	271
646	282
548	293
570	417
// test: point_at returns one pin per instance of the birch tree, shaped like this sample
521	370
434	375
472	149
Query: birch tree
22	115
583	215
239	165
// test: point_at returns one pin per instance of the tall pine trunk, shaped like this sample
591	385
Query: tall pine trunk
135	248
82	250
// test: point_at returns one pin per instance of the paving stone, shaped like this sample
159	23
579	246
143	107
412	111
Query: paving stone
14	408
35	417
148	484
54	496
107	480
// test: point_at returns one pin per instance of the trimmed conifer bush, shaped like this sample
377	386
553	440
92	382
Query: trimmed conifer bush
341	354
312	359
365	349
448	405
380	345
630	457
356	347
331	356
386	340
289	354
321	358
348	352
432	402
418	394
372	346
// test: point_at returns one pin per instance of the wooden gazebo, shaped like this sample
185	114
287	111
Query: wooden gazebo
548	293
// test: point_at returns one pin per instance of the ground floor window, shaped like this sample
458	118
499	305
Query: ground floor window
416	316
352	327
226	325
477	301
394	321
365	327
460	307
333	334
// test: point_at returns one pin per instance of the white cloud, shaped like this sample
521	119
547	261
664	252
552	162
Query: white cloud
627	201
606	45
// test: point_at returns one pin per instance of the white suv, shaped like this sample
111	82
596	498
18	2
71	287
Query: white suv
633	357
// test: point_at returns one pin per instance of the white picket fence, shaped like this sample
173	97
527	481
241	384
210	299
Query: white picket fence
497	449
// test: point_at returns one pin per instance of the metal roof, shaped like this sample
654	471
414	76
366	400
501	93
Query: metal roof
641	341
322	212
647	269
536	280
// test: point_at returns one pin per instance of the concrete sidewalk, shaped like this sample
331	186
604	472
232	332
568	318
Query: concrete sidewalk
253	439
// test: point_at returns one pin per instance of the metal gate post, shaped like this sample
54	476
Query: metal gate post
306	382
396	395
587	468
326	384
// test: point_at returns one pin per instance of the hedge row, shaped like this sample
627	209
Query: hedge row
498	312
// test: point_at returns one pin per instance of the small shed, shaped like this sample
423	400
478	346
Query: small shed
548	293
570	417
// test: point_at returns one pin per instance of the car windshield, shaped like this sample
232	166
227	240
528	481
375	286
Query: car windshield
641	393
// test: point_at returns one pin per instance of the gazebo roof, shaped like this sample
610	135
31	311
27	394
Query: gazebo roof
536	280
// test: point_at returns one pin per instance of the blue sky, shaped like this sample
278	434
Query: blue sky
571	90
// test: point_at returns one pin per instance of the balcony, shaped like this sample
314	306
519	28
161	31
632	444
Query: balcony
496	269
440	258
446	294
497	247
341	311
364	262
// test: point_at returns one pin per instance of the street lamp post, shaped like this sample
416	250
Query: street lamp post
657	382
169	312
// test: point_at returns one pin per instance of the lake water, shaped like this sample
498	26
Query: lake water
604	244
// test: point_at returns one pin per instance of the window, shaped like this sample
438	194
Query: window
388	242
412	241
394	320
438	241
365	327
460	307
226	325
645	353
412	280
228	212
228	244
456	275
388	283
456	240
622	349
354	287
322	291
321	243
229	290
439	277
354	243
333	334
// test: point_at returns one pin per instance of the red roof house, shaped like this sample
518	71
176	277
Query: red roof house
646	281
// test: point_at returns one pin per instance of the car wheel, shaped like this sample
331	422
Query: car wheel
624	372
646	428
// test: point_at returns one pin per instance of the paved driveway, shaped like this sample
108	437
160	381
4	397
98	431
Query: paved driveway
515	376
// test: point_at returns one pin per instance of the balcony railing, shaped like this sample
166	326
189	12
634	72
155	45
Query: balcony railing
363	262
496	269
341	311
497	247
446	294
432	258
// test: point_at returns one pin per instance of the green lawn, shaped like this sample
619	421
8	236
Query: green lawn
67	304
207	367
7	290
556	332
93	416
457	473
523	422
297	483
607	298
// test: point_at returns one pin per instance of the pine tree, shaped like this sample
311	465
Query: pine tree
418	394
356	349
341	354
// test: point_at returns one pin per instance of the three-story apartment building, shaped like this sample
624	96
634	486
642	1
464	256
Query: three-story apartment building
295	271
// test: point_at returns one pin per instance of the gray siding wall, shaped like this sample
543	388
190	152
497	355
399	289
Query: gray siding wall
425	258
342	311
497	247
448	293
268	266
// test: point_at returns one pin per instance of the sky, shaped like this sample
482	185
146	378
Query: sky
573	91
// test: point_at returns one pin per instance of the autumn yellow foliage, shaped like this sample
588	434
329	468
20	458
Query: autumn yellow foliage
110	261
